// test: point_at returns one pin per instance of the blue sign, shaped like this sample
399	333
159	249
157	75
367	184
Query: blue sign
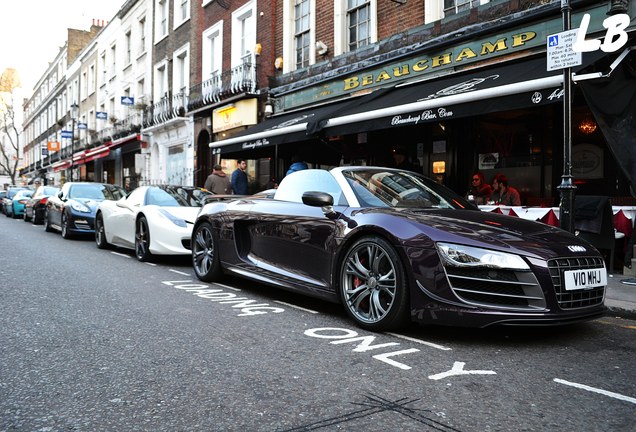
101	115
127	100
67	134
45	151
82	126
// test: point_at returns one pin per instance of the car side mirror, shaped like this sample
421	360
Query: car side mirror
319	199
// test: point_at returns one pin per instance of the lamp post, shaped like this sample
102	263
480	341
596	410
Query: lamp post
74	114
567	188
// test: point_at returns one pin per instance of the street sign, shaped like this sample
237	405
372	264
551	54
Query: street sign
127	100
82	126
45	150
101	115
560	54
67	134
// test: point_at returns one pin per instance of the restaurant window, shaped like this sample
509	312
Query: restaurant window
302	34
358	23
355	23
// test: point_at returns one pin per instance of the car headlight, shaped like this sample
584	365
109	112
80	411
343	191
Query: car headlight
466	256
175	220
77	206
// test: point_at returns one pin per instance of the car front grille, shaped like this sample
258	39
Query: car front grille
506	289
579	298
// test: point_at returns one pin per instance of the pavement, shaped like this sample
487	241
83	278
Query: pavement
620	296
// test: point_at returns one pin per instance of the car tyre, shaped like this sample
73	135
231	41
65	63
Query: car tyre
47	222
25	217
142	240
205	253
373	286
64	226
100	233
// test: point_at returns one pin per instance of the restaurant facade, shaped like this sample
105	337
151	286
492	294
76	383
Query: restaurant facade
465	98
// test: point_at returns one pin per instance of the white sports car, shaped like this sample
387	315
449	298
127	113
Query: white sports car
152	220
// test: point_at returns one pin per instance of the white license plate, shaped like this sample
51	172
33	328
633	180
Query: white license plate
585	279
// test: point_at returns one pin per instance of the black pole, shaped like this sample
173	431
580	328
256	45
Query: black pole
72	146
567	188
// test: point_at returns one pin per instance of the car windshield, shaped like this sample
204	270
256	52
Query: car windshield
11	192
378	187
47	191
23	194
176	196
96	191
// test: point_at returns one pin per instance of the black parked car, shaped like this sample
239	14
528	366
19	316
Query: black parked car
394	246
35	207
72	209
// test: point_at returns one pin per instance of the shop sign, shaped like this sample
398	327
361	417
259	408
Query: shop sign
240	113
428	65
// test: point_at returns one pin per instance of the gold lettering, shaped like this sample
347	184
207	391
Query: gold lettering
489	48
466	53
522	38
442	59
382	76
351	83
399	71
420	65
367	80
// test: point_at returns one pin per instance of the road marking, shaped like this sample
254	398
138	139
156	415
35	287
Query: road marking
596	390
295	307
419	341
179	272
629	327
151	264
120	254
458	369
228	287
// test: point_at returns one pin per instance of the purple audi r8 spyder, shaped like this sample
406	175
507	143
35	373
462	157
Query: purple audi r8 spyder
393	246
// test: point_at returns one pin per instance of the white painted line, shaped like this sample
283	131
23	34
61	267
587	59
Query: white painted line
228	287
419	341
596	390
120	254
151	264
295	307
179	272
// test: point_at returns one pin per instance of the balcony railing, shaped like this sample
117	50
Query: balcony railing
167	108
240	79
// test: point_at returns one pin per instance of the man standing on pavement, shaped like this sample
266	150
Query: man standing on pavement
239	178
218	182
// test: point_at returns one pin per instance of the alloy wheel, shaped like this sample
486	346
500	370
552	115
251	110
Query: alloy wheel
142	240
205	259
372	284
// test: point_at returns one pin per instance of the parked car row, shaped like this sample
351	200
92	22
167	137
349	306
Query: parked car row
13	200
389	245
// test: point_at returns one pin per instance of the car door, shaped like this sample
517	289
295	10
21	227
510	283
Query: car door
293	241
55	205
121	223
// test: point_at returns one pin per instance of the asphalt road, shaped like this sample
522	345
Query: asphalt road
93	340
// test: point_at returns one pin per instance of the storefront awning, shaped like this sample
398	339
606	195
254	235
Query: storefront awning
503	87
499	88
284	128
482	91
